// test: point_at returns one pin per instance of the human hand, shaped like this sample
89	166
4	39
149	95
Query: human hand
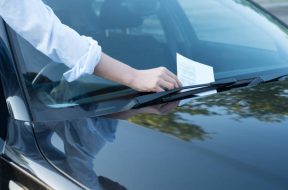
154	80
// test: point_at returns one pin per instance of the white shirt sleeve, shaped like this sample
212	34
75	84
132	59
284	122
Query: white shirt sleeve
37	23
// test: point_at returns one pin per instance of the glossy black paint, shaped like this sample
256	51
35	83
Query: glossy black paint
21	148
231	140
20	158
12	174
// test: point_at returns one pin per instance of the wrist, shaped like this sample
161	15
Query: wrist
131	77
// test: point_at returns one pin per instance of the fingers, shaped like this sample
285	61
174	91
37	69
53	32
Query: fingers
171	77
159	89
162	85
154	80
175	78
166	85
171	80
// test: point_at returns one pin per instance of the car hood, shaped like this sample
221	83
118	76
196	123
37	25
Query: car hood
230	140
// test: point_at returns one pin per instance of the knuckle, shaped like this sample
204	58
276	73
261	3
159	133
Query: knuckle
163	69
157	83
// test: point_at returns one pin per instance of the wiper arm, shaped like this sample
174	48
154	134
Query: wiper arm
141	100
193	90
148	98
267	78
227	84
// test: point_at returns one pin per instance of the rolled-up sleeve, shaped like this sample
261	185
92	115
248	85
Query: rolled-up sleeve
37	23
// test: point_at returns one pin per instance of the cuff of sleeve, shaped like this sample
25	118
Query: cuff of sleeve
87	63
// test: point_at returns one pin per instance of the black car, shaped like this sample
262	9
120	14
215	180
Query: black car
96	134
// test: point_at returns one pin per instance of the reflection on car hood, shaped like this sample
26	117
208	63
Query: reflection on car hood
231	140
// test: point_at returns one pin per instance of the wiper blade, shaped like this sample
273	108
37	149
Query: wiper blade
193	90
148	98
227	84
267	78
155	96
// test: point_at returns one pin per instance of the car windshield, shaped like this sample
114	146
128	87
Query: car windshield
234	37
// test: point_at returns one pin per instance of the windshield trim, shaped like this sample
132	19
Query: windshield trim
17	61
274	17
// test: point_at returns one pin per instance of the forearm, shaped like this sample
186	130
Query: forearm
37	23
114	70
155	80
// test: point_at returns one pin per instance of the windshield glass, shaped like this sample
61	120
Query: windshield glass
234	37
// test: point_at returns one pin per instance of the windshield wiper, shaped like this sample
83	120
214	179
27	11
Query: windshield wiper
193	90
267	78
149	98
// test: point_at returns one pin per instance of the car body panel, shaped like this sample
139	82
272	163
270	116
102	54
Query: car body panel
231	140
21	149
21	161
